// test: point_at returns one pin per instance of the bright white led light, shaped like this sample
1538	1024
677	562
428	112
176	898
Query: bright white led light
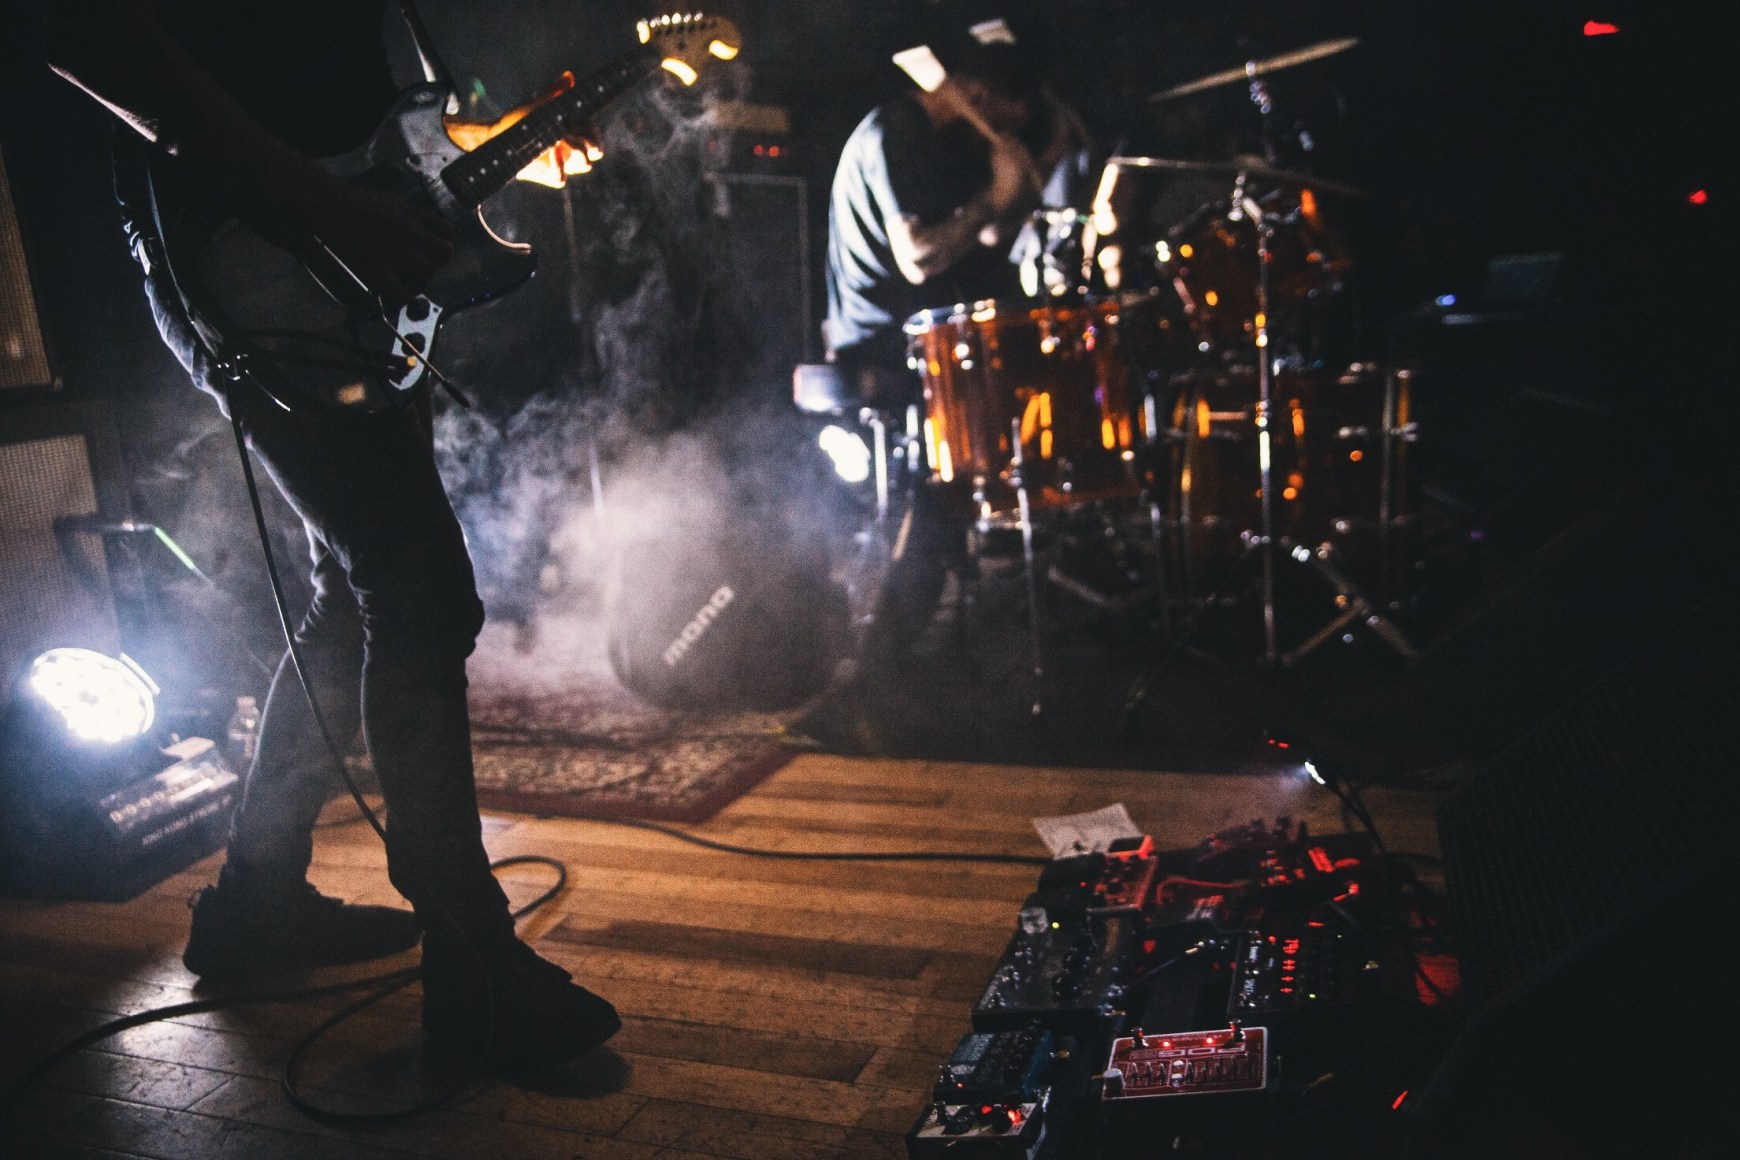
100	698
1315	776
851	455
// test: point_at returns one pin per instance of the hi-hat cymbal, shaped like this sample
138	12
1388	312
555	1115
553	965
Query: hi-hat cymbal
1252	168
1253	69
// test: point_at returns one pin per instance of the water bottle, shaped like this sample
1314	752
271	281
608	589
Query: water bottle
244	732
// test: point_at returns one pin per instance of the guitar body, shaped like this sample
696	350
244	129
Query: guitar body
310	332
304	329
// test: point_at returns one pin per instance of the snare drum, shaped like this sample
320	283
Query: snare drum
1042	388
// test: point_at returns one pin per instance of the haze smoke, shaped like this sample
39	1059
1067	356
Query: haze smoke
641	337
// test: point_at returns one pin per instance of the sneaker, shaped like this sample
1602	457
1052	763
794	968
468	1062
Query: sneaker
528	1016
239	931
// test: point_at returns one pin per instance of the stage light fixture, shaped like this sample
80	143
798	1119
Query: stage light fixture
93	804
100	699
848	451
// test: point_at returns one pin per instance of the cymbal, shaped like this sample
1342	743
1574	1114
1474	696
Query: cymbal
1253	69
1246	166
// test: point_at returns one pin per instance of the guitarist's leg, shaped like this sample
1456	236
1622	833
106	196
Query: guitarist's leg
369	487
271	835
262	912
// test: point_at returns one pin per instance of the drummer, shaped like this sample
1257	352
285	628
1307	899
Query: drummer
925	207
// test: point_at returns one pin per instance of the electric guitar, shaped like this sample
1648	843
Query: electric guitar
297	322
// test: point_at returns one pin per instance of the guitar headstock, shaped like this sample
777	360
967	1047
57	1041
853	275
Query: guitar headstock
690	42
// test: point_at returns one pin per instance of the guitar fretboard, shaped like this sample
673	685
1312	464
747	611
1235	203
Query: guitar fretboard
474	177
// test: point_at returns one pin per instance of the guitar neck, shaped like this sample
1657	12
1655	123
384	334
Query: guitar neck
478	175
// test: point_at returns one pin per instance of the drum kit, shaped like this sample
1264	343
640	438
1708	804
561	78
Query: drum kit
1162	377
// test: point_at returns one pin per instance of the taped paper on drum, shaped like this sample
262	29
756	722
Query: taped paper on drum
1089	833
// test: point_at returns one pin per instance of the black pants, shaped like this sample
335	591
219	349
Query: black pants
394	617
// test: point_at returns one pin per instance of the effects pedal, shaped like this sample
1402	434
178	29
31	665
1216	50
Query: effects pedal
1182	1084
990	1098
1311	864
1119	881
1315	963
991	1131
1187	1065
1006	1067
1065	969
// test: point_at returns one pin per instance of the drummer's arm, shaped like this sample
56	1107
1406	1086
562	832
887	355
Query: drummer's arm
923	252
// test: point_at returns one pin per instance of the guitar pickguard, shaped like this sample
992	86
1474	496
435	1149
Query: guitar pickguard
416	324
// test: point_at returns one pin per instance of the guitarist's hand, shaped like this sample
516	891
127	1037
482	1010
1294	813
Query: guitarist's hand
392	246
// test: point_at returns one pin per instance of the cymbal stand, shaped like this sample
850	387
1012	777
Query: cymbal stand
1018	459
1244	204
1259	93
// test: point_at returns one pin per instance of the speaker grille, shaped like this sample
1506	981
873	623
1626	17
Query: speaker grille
1608	806
764	221
23	359
54	590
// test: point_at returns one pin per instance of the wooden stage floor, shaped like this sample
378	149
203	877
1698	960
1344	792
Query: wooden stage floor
773	1010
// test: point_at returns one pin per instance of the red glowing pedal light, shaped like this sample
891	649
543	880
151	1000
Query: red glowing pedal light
1699	197
1599	28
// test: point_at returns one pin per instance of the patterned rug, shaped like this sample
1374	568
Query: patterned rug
594	751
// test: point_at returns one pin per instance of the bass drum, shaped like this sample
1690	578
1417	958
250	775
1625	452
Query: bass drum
1339	467
1048	382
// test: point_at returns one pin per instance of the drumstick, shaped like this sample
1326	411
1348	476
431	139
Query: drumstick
926	71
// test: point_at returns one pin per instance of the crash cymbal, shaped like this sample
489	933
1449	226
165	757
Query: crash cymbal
1251	167
1253	69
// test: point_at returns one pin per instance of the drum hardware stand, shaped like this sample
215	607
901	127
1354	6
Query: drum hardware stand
1018	459
1355	608
1156	513
1243	204
873	419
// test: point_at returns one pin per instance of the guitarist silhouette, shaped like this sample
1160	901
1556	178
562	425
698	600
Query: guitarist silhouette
232	101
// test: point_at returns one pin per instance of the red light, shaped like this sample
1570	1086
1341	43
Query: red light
773	150
1599	28
761	150
1699	197
1397	1106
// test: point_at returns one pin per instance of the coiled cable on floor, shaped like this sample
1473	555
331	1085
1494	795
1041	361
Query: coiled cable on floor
378	987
